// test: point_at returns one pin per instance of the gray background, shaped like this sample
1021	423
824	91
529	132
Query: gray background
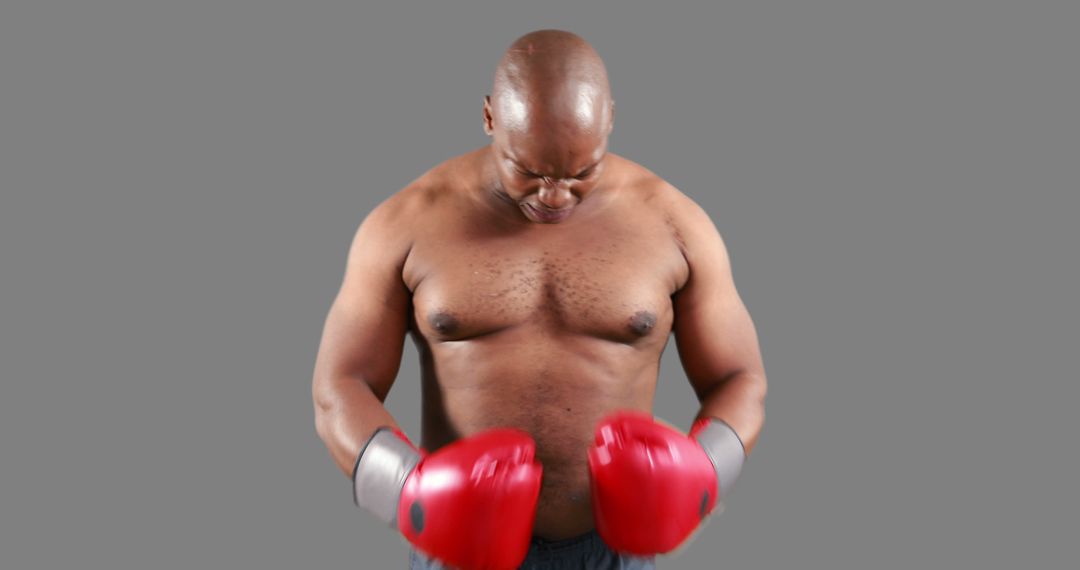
897	184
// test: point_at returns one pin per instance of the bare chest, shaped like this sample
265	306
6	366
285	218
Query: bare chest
610	279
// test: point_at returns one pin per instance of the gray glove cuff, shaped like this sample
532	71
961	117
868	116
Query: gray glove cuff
726	452
381	469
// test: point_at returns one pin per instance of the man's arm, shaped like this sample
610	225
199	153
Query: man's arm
364	335
715	336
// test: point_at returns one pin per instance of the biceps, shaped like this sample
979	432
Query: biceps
715	336
364	334
364	338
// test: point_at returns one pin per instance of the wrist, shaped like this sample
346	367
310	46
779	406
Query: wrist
383	465
724	448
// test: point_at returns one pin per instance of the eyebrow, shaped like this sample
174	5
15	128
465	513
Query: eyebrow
583	170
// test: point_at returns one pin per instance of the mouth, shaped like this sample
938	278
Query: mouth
546	216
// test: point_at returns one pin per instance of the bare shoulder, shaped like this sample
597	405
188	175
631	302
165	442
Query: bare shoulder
389	219
388	231
685	213
409	217
682	213
404	210
689	225
700	239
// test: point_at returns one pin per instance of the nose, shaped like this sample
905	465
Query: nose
555	195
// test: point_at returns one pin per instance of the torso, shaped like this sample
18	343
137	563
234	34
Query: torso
543	327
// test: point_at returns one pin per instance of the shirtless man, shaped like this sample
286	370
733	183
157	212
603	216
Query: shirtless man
539	277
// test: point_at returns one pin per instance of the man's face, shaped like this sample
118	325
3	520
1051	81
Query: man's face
546	165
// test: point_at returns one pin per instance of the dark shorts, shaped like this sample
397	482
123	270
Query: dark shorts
585	552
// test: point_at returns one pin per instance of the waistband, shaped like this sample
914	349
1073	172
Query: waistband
543	544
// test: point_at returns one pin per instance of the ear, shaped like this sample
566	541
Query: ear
489	120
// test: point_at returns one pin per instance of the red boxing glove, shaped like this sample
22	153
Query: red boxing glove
651	484
470	504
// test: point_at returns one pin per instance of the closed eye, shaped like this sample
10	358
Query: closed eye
521	170
585	173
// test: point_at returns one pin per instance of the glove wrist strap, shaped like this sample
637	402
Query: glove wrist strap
725	450
384	464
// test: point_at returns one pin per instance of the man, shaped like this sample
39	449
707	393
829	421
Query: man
539	278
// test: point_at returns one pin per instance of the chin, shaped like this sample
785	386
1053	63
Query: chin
539	217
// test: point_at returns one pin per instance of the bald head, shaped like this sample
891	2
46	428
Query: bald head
552	78
549	116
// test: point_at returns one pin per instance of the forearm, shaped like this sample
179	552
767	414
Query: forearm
347	413
739	401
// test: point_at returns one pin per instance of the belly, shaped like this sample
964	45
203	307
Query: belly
556	389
